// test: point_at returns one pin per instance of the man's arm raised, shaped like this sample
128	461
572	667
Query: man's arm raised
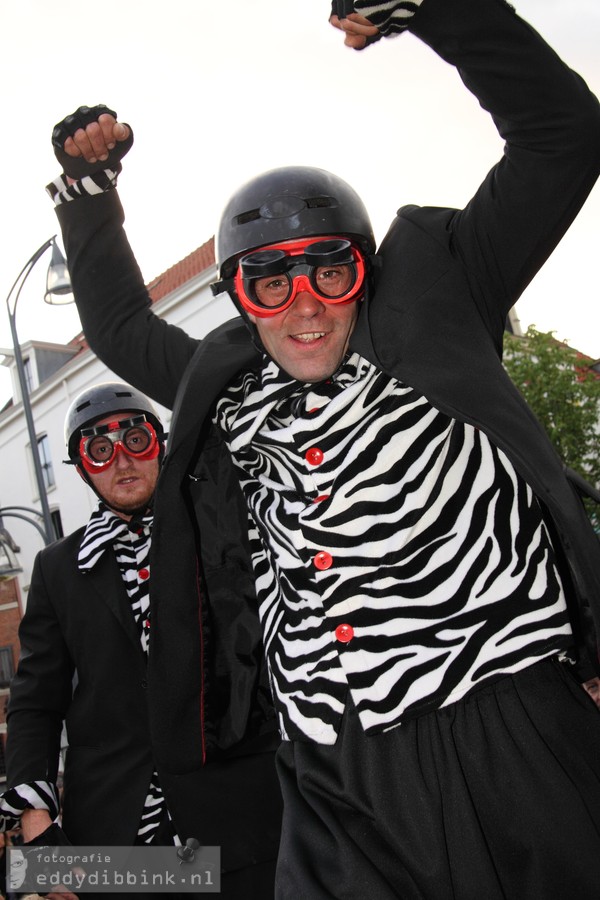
112	299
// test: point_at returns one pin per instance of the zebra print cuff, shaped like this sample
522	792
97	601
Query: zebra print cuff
391	16
60	191
34	795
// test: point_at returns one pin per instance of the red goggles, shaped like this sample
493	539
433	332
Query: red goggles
99	445
267	281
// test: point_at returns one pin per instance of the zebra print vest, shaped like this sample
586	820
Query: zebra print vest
397	553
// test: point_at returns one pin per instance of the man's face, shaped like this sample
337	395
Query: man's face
309	339
18	869
127	484
309	336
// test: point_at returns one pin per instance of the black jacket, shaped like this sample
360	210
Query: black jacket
84	623
81	625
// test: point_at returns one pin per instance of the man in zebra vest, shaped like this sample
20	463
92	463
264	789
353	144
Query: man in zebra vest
424	573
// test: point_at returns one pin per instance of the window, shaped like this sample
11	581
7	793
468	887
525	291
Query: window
28	374
46	461
57	523
7	669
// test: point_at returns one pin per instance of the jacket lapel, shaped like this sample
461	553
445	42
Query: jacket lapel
212	367
105	581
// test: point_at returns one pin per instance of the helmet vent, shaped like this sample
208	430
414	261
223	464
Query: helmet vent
320	202
249	216
281	207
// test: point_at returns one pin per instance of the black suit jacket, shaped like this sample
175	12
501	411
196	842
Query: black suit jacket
81	661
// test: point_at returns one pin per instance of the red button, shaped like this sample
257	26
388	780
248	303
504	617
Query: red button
144	574
320	498
314	456
323	560
344	633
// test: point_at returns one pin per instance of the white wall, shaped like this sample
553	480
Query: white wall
191	307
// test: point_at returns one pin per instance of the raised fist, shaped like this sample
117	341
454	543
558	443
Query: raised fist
89	140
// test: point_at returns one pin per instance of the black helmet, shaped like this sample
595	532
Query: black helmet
102	400
286	204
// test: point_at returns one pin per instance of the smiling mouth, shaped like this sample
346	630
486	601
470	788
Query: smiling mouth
307	338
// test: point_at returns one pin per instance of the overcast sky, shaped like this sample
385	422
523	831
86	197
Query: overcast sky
217	92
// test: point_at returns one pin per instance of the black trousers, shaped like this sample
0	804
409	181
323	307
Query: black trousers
495	797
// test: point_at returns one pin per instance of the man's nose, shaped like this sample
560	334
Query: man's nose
306	304
122	459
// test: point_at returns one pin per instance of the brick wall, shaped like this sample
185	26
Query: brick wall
10	616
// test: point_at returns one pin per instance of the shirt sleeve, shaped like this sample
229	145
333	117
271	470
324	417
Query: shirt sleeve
60	191
32	795
391	17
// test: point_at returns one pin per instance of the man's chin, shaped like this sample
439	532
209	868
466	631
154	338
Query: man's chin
310	374
130	509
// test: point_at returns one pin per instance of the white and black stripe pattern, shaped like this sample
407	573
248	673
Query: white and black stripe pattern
131	545
154	808
102	530
391	17
130	542
442	564
36	795
60	191
132	552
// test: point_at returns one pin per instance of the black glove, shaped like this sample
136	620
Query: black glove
76	166
342	9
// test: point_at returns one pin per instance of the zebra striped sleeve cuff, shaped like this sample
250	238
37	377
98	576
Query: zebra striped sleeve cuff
391	16
60	191
33	795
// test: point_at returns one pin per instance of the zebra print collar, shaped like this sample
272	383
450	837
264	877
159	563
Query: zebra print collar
102	530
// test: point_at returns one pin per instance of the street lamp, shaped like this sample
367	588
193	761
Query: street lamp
9	561
58	286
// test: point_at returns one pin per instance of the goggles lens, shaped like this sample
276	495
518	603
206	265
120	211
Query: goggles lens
99	445
332	270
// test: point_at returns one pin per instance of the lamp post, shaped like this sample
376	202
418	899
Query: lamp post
26	513
9	562
58	285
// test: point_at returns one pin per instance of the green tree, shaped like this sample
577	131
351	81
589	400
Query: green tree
564	393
